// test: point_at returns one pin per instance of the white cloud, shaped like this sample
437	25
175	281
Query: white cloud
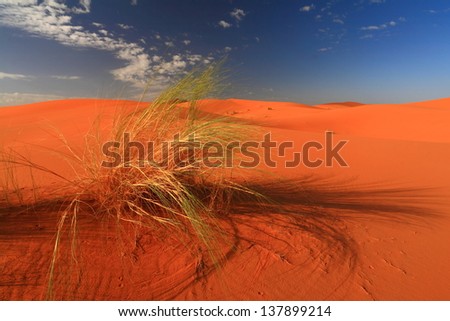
86	4
136	71
173	67
187	42
66	77
377	1
338	21
382	26
169	44
85	7
224	24
373	28
324	49
194	57
5	75
124	26
134	2
227	49
432	11
307	8
18	2
10	99
52	20
238	14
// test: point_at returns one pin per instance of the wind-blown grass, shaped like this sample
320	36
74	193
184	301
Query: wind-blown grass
181	196
10	188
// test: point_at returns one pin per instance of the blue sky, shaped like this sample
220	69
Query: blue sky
314	51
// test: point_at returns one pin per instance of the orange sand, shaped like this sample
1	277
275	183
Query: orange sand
376	230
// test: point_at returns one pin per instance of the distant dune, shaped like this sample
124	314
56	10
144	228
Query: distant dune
344	103
375	230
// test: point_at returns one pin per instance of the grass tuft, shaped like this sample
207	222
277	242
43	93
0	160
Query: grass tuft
181	195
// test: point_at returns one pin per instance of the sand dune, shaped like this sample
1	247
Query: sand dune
341	104
376	230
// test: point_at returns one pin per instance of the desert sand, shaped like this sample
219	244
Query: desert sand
375	230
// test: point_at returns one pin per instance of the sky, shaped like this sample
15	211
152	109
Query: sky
370	51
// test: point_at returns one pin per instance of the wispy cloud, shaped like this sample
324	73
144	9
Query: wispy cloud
380	27
124	26
436	11
16	98
98	25
373	31
18	2
193	59
5	75
65	77
85	6
224	24
238	14
52	20
134	2
325	49
307	8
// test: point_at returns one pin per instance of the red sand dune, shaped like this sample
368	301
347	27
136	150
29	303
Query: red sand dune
342	104
376	230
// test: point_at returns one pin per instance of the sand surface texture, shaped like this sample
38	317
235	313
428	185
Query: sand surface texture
375	230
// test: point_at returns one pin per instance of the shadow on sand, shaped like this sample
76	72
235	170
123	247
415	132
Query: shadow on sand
314	207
